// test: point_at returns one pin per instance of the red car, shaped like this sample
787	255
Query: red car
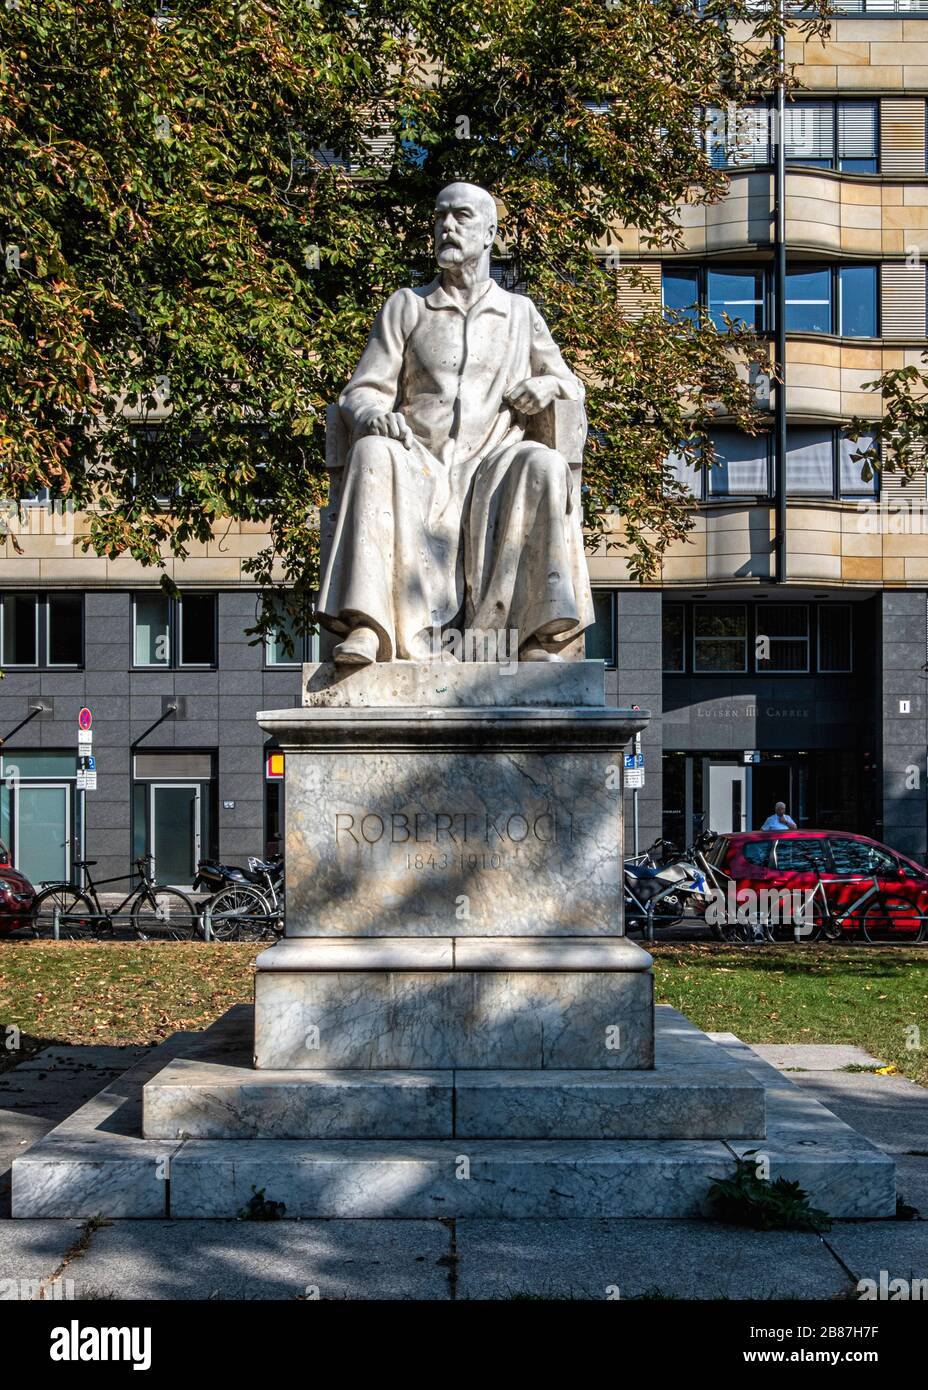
16	896
869	890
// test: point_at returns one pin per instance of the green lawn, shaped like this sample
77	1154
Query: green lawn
814	994
137	993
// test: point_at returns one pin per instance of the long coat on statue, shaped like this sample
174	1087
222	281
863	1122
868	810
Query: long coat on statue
473	526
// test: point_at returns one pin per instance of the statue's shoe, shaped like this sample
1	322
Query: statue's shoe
535	652
358	649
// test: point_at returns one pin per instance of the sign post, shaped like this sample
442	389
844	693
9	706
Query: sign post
86	762
634	779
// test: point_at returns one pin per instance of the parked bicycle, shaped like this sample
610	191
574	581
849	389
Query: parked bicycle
152	910
875	917
246	904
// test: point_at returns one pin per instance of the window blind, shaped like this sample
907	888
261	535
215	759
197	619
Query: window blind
857	130
737	135
851	483
809	462
809	131
902	135
741	466
683	472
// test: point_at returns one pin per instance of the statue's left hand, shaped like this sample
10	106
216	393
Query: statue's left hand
534	394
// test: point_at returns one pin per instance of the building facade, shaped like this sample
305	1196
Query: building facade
810	687
182	769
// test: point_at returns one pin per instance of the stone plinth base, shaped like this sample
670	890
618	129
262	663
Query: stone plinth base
443	1003
454	799
694	1091
98	1164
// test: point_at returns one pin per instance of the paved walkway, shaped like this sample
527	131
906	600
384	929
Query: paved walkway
464	1259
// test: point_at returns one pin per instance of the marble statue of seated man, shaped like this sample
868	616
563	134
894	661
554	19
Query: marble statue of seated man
449	517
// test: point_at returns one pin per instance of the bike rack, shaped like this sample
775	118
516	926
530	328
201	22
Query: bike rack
117	918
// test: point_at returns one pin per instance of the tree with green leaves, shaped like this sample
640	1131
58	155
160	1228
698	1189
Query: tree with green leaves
202	206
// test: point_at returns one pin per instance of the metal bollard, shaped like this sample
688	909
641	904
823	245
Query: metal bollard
56	924
207	922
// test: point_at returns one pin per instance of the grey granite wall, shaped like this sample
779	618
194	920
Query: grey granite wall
216	714
637	681
901	676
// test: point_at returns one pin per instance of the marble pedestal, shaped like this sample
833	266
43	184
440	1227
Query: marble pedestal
454	862
455	1024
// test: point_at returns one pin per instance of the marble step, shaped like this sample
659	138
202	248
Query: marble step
448	1178
197	1099
96	1162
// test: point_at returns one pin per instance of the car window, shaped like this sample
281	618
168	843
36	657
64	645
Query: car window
757	852
803	856
856	857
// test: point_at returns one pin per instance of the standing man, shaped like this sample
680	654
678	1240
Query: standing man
450	517
779	820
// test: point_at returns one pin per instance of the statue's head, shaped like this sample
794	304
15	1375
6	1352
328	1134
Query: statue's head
465	227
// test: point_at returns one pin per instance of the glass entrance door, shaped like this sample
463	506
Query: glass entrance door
174	821
42	822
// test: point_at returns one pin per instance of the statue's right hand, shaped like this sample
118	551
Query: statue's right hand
390	425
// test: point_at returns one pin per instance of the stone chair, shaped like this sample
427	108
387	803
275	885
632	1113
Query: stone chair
561	425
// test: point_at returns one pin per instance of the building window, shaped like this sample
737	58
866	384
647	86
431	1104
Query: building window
833	299
821	463
857	301
834	637
742	464
42	630
821	134
599	640
720	637
683	470
151	624
174	632
782	637
810	462
673	637
741	467
734	293
851	483
833	135
681	291
808	301
836	299
737	136
737	295
195	618
303	646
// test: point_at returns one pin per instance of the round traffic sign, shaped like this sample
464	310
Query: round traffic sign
84	719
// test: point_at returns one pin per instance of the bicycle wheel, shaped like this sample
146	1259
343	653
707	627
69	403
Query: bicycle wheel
738	933
238	913
71	902
892	920
805	930
164	912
